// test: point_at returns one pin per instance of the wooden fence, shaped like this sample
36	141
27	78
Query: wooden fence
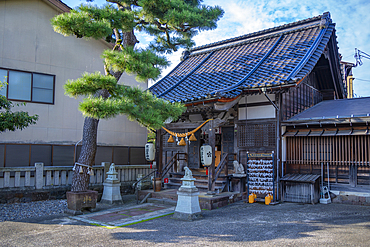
48	177
347	156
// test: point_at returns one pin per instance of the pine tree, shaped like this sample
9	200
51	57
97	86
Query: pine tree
172	23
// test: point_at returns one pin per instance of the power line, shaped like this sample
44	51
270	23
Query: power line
357	79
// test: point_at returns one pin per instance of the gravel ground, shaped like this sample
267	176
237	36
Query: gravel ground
18	211
24	210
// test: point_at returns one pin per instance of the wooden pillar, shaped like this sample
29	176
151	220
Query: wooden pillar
211	168
159	153
278	144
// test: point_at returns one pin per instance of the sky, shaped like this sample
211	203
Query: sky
241	17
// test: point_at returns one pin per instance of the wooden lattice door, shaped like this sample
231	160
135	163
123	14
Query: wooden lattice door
227	144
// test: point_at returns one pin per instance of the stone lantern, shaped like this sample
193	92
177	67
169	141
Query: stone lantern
112	191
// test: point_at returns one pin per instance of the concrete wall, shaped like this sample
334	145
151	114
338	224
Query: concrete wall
28	43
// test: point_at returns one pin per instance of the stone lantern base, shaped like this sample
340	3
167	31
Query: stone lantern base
187	207
112	193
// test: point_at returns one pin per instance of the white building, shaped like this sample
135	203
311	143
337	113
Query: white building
37	62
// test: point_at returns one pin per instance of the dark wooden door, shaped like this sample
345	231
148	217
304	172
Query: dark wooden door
193	154
227	144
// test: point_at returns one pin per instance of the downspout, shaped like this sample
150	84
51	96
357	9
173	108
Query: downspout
277	141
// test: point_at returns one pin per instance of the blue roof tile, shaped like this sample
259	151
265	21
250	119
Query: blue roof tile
271	57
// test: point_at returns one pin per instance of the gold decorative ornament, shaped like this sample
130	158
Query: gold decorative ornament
171	139
193	138
182	142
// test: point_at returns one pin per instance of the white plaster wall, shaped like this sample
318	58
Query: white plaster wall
256	112
28	42
260	98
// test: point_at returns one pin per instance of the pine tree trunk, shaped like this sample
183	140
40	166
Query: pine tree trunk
80	181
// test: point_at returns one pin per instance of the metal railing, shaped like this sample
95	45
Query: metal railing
135	185
172	163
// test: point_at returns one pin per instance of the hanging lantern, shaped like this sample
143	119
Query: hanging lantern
192	138
81	170
182	142
149	151
91	172
171	139
206	155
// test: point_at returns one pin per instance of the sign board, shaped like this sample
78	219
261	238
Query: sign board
261	173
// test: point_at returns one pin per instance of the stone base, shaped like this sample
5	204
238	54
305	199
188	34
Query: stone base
187	202
114	202
79	200
111	193
187	217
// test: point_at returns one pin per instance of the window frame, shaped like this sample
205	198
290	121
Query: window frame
31	89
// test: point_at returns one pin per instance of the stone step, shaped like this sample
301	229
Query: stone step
198	181
197	177
204	187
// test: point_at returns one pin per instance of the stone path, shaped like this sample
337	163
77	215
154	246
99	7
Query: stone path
118	217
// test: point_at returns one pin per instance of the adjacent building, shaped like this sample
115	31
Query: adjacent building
37	62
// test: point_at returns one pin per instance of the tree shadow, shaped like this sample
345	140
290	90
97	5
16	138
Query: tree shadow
245	222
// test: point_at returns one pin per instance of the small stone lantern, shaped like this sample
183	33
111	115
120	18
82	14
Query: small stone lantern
188	207
112	192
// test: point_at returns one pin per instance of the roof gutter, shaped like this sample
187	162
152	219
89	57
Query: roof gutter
59	4
307	56
320	121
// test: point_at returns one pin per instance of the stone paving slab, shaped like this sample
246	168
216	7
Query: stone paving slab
126	216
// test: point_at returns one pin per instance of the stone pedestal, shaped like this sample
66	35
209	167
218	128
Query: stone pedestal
112	191
240	181
79	200
188	207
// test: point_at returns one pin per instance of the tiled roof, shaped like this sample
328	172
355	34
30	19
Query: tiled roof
334	109
272	57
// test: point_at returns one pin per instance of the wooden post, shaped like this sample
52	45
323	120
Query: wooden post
158	157
211	168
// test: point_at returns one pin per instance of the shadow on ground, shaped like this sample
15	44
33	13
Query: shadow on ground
251	222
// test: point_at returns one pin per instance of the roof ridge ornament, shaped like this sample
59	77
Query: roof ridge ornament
325	20
185	54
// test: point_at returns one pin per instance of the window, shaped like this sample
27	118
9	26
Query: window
27	86
257	135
